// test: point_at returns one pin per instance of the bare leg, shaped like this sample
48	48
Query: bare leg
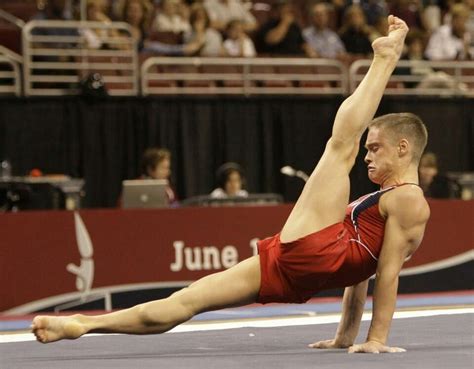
236	286
326	194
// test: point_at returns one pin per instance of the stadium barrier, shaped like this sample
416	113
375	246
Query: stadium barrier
422	77
10	80
58	55
247	76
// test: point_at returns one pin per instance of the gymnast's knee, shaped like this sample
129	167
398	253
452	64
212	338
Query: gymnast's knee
342	148
175	313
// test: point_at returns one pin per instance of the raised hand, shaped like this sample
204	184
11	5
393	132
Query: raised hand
287	16
391	45
373	347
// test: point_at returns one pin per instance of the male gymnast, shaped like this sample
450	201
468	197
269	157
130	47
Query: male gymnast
325	243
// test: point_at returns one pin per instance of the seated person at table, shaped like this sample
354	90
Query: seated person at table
433	183
230	180
156	164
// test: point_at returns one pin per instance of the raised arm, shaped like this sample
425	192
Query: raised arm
277	34
352	310
356	112
407	213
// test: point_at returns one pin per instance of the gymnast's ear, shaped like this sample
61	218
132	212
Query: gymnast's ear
403	147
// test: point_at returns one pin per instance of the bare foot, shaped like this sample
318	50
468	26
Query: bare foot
391	45
49	328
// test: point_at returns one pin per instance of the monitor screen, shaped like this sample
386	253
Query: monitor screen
144	193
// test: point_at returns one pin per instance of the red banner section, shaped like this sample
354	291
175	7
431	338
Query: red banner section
122	247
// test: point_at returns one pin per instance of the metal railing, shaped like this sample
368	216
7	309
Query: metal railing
422	77
58	55
10	80
6	52
247	76
20	23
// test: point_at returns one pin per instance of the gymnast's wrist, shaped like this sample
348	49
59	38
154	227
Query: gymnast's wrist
380	340
344	340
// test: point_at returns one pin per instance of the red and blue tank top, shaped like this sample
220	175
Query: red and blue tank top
365	228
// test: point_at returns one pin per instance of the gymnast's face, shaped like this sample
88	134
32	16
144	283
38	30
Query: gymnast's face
382	158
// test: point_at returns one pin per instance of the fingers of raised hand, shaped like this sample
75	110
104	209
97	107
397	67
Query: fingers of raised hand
395	349
363	349
374	349
322	344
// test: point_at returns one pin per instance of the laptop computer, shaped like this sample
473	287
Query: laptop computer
144	193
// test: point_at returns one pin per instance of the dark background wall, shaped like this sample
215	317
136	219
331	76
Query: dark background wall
102	141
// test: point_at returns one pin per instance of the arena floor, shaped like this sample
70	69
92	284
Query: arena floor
436	335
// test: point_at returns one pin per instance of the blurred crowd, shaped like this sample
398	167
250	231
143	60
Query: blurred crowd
342	29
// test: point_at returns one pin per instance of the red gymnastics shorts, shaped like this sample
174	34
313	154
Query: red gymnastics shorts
293	272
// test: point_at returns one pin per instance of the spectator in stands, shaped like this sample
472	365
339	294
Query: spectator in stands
201	29
97	12
156	164
324	42
355	33
374	10
169	18
237	42
338	8
470	22
432	182
184	9
230	182
53	10
282	35
429	78
137	13
451	41
379	29
221	12
431	16
415	47
188	49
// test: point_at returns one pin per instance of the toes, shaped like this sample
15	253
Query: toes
38	322
40	335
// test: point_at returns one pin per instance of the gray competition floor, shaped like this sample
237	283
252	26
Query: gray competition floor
442	341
